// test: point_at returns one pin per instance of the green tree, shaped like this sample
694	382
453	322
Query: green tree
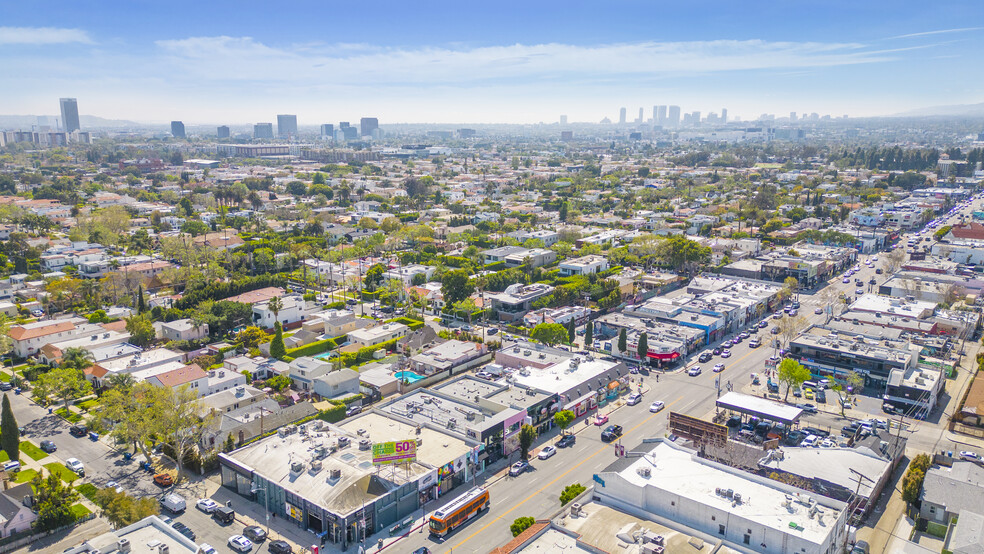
792	374
563	211
588	334
277	348
563	419
374	277
194	227
527	434
9	433
141	306
521	524
855	382
52	502
682	253
141	330
76	357
121	509
275	304
179	421
570	331
623	342
251	336
455	286
912	483
186	207
571	492
65	383
549	333
643	348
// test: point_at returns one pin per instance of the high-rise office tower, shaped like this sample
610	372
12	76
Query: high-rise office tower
287	126
661	115
348	132
621	116
563	120
724	115
367	125
695	117
673	119
70	114
792	116
263	131
222	131
327	131
177	129
639	120
655	114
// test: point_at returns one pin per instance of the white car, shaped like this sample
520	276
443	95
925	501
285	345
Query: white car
968	455
718	368
74	464
240	543
206	548
694	371
206	505
810	441
546	452
656	406
827	443
633	399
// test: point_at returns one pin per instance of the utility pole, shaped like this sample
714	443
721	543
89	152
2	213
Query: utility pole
850	517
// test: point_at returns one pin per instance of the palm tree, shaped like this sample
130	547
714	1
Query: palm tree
121	381
76	357
275	304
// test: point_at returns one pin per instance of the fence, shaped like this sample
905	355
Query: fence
17	540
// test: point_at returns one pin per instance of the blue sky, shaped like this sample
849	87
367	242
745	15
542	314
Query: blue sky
523	62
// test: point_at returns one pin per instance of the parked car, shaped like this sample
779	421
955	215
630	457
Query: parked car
546	452
518	468
734	421
809	441
656	406
163	480
566	440
705	357
184	530
48	446
353	410
968	455
78	430
728	344
808	408
240	543
280	547
611	433
75	465
255	533
485	375
206	548
206	505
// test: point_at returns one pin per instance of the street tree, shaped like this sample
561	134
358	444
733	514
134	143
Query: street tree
563	419
455	286
521	524
893	260
643	347
789	287
549	333
64	383
790	326
374	277
623	343
841	393
855	383
588	334
121	509
792	374
570	331
527	434
9	433
180	421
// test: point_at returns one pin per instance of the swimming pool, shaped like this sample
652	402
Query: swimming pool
325	355
411	376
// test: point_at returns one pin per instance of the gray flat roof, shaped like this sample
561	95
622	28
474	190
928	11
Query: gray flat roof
830	464
436	448
427	408
759	407
467	388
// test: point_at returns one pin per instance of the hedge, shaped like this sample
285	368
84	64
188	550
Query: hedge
315	348
222	290
413	324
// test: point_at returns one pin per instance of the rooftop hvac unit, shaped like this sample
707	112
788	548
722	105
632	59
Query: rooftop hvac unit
335	474
123	545
644	471
365	444
163	549
316	466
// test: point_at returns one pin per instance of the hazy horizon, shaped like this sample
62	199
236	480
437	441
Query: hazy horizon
514	63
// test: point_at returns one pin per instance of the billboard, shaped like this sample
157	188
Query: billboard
394	452
697	430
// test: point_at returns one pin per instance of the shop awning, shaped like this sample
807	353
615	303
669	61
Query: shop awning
571	405
614	385
663	356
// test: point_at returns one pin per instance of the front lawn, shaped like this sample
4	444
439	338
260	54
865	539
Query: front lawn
61	471
3	456
79	511
71	417
87	404
33	451
25	475
88	490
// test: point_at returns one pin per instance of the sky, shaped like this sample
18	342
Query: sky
244	61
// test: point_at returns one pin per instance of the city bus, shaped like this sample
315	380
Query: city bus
458	511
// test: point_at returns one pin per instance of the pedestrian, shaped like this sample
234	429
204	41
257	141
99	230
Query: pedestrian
657	377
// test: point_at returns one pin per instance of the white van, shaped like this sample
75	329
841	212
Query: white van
809	441
174	503
11	466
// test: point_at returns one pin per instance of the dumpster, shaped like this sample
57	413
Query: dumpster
128	456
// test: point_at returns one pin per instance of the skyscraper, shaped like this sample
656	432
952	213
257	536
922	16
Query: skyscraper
287	126
367	125
177	129
70	114
222	131
674	116
724	115
639	120
621	116
327	131
563	120
661	115
263	131
792	116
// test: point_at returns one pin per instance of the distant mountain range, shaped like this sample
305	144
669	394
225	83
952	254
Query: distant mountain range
966	110
25	122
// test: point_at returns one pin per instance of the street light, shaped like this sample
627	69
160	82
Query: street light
266	503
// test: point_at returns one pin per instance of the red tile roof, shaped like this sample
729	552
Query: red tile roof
515	544
19	332
968	231
256	296
181	376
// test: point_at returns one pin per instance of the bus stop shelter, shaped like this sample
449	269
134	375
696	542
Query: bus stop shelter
761	408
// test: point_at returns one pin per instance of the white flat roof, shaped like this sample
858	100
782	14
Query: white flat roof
760	406
678	471
558	378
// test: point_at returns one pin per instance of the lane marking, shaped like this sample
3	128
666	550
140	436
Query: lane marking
561	476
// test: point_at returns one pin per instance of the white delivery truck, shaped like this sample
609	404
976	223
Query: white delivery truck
174	503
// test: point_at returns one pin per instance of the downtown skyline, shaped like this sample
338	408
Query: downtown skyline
155	64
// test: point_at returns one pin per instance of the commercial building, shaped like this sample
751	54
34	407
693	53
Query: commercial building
263	131
222	131
327	131
150	535
447	356
69	114
321	477
914	391
177	129
287	126
829	353
368	126
668	483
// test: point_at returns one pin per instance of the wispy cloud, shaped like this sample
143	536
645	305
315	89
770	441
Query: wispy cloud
245	59
43	35
939	32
